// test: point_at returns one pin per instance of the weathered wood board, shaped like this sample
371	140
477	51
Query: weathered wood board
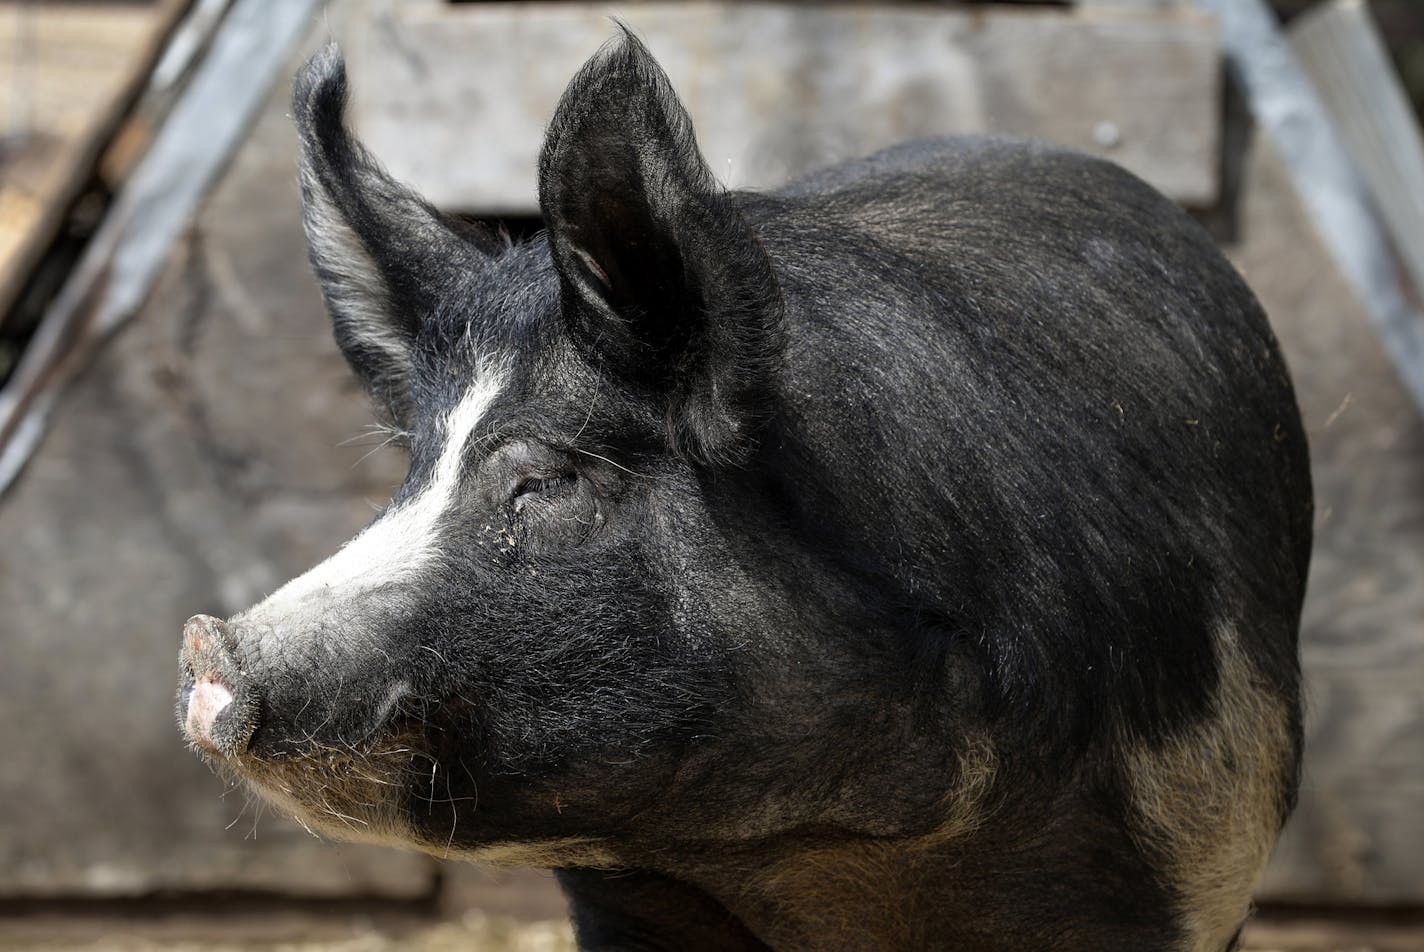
194	467
454	98
65	72
1339	47
125	256
1358	833
478	930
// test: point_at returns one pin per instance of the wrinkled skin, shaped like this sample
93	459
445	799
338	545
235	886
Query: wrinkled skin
909	558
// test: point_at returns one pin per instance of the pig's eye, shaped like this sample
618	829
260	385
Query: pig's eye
542	484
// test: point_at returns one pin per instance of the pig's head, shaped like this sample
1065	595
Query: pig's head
562	625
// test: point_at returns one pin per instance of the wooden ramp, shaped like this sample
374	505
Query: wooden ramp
71	70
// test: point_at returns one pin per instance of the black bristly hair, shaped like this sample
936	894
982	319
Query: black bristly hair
664	283
385	257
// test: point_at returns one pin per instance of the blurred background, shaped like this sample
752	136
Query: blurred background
178	433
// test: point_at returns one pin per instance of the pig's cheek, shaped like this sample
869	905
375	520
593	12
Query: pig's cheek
588	516
545	528
548	526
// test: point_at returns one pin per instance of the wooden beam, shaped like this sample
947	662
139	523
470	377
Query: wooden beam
1340	49
71	72
120	264
1286	107
454	98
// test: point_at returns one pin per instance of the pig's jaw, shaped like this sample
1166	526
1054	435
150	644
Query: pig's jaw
358	795
352	804
345	797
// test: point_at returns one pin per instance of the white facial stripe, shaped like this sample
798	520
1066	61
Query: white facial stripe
460	425
399	544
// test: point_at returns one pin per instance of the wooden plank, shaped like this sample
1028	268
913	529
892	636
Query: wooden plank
1357	835
125	257
194	466
1287	109
1339	46
159	928
1318	256
454	98
71	70
1334	930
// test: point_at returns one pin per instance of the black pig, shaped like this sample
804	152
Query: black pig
909	558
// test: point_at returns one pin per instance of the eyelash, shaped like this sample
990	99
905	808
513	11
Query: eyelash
532	485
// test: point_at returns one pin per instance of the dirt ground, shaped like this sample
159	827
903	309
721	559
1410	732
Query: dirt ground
476	931
473	931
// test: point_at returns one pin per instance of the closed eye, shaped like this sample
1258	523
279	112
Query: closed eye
535	485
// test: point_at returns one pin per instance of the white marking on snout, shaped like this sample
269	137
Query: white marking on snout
393	549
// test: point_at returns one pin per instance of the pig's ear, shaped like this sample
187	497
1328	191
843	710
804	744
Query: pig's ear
663	281
383	256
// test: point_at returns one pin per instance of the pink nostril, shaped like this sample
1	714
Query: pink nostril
207	700
213	683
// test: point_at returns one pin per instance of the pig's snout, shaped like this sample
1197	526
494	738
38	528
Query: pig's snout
215	704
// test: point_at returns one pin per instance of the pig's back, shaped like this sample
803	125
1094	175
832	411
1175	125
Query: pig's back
1028	389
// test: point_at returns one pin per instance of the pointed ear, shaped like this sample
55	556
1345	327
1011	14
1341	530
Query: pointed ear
383	256
663	281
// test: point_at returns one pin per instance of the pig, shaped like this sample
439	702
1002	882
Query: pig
910	557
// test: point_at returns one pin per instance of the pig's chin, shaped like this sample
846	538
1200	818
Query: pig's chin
354	795
366	796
